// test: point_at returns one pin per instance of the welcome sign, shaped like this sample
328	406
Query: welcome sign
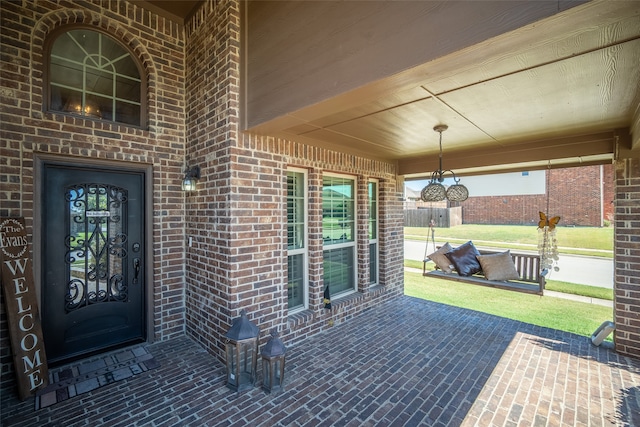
21	305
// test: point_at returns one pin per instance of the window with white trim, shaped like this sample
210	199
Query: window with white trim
373	231
297	252
338	233
90	74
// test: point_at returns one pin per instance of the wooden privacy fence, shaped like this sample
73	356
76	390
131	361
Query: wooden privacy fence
443	217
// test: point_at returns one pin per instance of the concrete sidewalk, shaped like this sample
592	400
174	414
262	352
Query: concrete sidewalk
579	298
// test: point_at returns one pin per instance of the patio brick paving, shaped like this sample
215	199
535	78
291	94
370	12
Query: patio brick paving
407	362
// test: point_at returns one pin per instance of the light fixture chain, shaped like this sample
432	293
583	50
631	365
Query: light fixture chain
440	163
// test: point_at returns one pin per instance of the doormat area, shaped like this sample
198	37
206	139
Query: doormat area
86	375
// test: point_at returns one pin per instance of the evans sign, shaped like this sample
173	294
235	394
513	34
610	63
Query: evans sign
21	305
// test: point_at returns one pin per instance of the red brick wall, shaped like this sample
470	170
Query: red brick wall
574	193
28	131
627	257
236	219
513	210
238	216
391	241
212	131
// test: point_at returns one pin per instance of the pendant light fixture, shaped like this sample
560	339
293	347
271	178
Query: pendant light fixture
435	191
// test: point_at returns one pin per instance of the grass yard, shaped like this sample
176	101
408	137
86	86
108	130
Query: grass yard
575	317
571	240
565	315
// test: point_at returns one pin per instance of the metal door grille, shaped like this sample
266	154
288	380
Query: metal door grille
96	245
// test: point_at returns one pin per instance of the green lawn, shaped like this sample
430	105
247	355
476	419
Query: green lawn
575	317
593	241
555	313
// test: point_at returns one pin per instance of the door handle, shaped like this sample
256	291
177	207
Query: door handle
136	270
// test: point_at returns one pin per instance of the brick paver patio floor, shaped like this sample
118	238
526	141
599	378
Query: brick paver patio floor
407	362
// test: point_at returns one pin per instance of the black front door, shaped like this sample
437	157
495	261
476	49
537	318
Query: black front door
93	278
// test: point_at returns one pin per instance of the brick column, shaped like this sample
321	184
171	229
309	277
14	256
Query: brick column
391	236
316	271
214	220
362	224
627	257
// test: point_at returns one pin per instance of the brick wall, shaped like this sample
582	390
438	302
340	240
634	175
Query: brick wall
212	132
391	272
29	131
627	256
574	193
238	216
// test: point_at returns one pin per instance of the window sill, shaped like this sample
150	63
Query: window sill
346	300
92	122
300	317
376	289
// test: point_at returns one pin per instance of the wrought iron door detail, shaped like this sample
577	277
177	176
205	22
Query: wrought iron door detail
96	245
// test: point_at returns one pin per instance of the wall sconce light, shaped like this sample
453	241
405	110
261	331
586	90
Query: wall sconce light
191	177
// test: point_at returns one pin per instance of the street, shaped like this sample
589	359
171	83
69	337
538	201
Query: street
582	270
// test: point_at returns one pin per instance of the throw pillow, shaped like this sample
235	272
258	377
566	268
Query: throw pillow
498	266
439	257
464	259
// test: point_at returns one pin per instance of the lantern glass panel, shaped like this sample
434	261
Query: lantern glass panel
266	370
273	372
247	356
277	381
241	364
232	363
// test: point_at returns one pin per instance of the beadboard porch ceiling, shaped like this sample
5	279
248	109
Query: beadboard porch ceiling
561	92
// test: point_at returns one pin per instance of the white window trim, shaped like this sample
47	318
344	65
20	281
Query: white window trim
354	242
305	249
377	239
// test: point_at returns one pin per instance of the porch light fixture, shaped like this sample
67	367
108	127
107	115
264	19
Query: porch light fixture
273	358
435	191
191	177
242	353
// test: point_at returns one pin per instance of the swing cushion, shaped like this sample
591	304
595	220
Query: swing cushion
439	257
464	259
498	266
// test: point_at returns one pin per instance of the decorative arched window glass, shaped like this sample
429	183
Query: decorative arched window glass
92	75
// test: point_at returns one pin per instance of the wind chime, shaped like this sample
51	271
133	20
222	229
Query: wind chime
547	239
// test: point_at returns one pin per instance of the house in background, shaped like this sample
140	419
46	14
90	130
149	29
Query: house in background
582	196
300	121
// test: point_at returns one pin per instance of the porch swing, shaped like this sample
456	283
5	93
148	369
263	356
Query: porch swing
530	270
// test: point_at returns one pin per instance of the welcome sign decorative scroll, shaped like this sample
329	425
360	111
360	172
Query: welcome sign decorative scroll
21	305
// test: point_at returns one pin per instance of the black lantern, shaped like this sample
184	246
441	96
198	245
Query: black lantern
273	364
242	353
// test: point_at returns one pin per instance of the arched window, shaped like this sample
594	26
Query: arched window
92	75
